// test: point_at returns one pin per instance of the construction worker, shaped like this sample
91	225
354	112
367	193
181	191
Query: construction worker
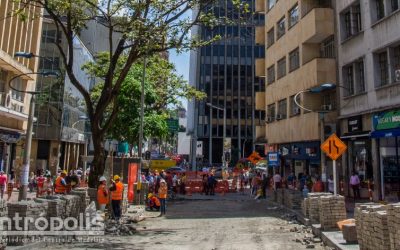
102	194
60	185
153	202
117	189
162	194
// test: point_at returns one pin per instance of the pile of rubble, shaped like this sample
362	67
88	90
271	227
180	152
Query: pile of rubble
331	210
124	227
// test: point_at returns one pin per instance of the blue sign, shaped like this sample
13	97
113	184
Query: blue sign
273	159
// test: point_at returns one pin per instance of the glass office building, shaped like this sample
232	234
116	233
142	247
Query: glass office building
225	71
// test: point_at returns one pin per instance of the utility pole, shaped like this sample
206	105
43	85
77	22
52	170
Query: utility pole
140	146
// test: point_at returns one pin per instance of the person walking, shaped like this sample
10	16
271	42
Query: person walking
10	188
3	183
355	185
60	184
48	185
162	195
331	187
212	182
40	181
277	180
117	190
102	194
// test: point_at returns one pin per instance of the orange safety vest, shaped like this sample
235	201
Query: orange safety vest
156	201
60	188
117	194
101	197
162	192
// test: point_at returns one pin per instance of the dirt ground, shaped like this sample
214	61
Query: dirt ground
221	222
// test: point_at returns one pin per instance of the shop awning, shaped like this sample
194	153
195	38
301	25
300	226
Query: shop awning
385	133
361	134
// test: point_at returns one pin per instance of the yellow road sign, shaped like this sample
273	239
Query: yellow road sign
333	147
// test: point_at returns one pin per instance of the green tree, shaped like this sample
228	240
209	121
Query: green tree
143	27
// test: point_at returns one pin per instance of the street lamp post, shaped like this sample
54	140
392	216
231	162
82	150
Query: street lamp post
319	89
224	129
29	130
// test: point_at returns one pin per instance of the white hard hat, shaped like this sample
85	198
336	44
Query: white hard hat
102	178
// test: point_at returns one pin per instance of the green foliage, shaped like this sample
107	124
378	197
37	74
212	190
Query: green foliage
163	91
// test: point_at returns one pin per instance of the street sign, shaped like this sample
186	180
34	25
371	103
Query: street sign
254	157
333	147
173	125
273	159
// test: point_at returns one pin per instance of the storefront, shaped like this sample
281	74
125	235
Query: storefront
8	140
387	133
359	155
301	157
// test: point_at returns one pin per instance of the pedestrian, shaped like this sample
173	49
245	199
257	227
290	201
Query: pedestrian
291	180
60	184
32	182
331	184
117	190
162	195
102	194
40	180
254	186
318	186
264	185
355	185
3	183
10	188
212	182
205	184
48	185
277	180
183	184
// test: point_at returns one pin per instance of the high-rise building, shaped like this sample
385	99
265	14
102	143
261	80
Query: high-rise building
300	54
15	36
225	71
60	130
369	77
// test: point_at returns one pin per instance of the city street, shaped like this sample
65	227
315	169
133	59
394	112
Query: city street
233	221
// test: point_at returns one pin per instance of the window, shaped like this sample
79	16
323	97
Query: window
396	60
360	77
294	109
294	60
351	21
394	5
49	63
271	74
348	78
282	68
271	113
380	9
271	4
270	37
383	69
294	16
328	48
19	85
281	27
51	36
282	109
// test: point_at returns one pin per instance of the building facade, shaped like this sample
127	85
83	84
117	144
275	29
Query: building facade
15	36
225	71
300	54
60	136
369	77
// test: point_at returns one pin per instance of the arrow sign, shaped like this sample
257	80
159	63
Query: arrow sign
333	147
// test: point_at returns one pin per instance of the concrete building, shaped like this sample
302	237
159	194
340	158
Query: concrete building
300	54
59	131
225	71
15	36
369	57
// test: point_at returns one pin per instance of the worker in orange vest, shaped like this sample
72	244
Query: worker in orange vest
60	185
102	194
117	189
162	195
153	202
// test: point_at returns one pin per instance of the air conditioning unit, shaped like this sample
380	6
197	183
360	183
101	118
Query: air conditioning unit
269	119
397	75
327	107
279	117
296	111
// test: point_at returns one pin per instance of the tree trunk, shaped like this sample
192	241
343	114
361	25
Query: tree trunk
99	159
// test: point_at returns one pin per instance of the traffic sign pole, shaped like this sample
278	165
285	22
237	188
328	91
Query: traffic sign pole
334	178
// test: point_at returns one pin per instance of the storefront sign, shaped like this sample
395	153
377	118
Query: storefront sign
273	159
354	124
387	120
9	137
